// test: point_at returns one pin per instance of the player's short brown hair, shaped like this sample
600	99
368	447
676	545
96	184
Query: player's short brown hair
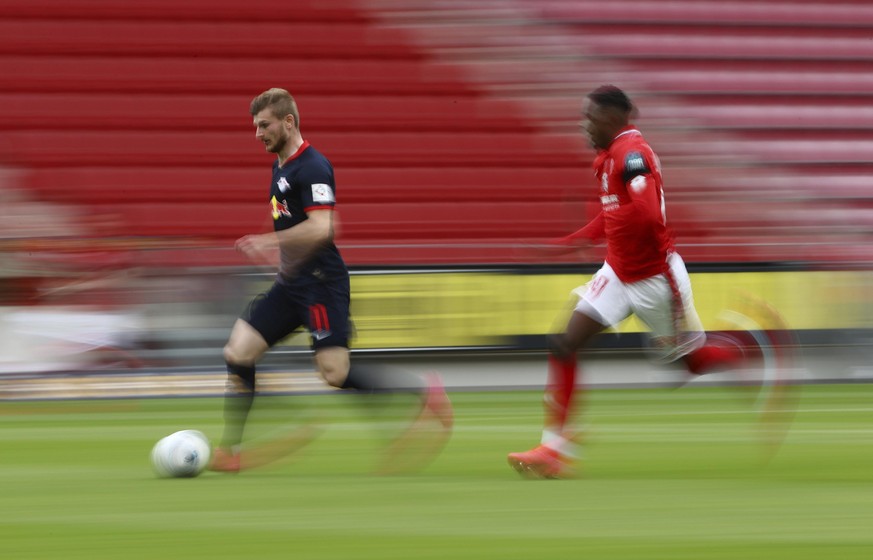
279	101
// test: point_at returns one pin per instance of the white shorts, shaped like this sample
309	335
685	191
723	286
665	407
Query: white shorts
610	301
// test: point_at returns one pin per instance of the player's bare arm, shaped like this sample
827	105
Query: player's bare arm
309	235
303	239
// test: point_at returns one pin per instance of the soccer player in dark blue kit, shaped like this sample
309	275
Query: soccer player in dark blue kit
311	288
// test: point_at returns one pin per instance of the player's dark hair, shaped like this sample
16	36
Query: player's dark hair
611	96
279	101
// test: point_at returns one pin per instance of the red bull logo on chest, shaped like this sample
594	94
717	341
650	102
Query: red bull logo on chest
279	209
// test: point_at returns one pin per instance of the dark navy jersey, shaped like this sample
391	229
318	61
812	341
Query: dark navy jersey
305	183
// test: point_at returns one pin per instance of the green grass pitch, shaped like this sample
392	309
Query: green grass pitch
666	475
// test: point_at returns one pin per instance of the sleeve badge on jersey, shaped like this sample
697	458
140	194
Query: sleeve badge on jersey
322	192
635	164
639	183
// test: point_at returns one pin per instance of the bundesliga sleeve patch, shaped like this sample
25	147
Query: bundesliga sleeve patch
635	164
323	193
639	183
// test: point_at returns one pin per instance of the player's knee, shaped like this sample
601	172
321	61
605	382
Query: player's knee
333	375
333	372
559	346
234	355
333	365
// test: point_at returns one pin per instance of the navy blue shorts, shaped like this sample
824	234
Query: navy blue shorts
323	308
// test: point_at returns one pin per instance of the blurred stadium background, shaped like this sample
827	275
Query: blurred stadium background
128	166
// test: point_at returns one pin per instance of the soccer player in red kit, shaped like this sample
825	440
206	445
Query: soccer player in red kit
643	275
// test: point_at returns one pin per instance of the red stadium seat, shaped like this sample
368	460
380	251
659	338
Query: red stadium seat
356	185
692	12
164	111
223	75
206	220
451	128
453	220
214	10
161	148
202	38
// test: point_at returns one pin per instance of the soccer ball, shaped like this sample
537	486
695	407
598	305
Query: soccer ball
181	454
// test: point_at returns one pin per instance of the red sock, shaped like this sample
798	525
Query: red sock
711	358
559	392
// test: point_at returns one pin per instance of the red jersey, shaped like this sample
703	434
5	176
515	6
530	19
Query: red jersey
632	218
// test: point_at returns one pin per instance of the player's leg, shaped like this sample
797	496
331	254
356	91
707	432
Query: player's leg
557	452
665	303
329	323
751	348
267	319
602	304
243	350
713	356
334	366
562	391
700	353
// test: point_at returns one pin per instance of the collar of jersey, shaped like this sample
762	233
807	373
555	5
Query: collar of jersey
626	130
296	154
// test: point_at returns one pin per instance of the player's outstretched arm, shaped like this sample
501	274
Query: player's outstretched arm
576	241
593	231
